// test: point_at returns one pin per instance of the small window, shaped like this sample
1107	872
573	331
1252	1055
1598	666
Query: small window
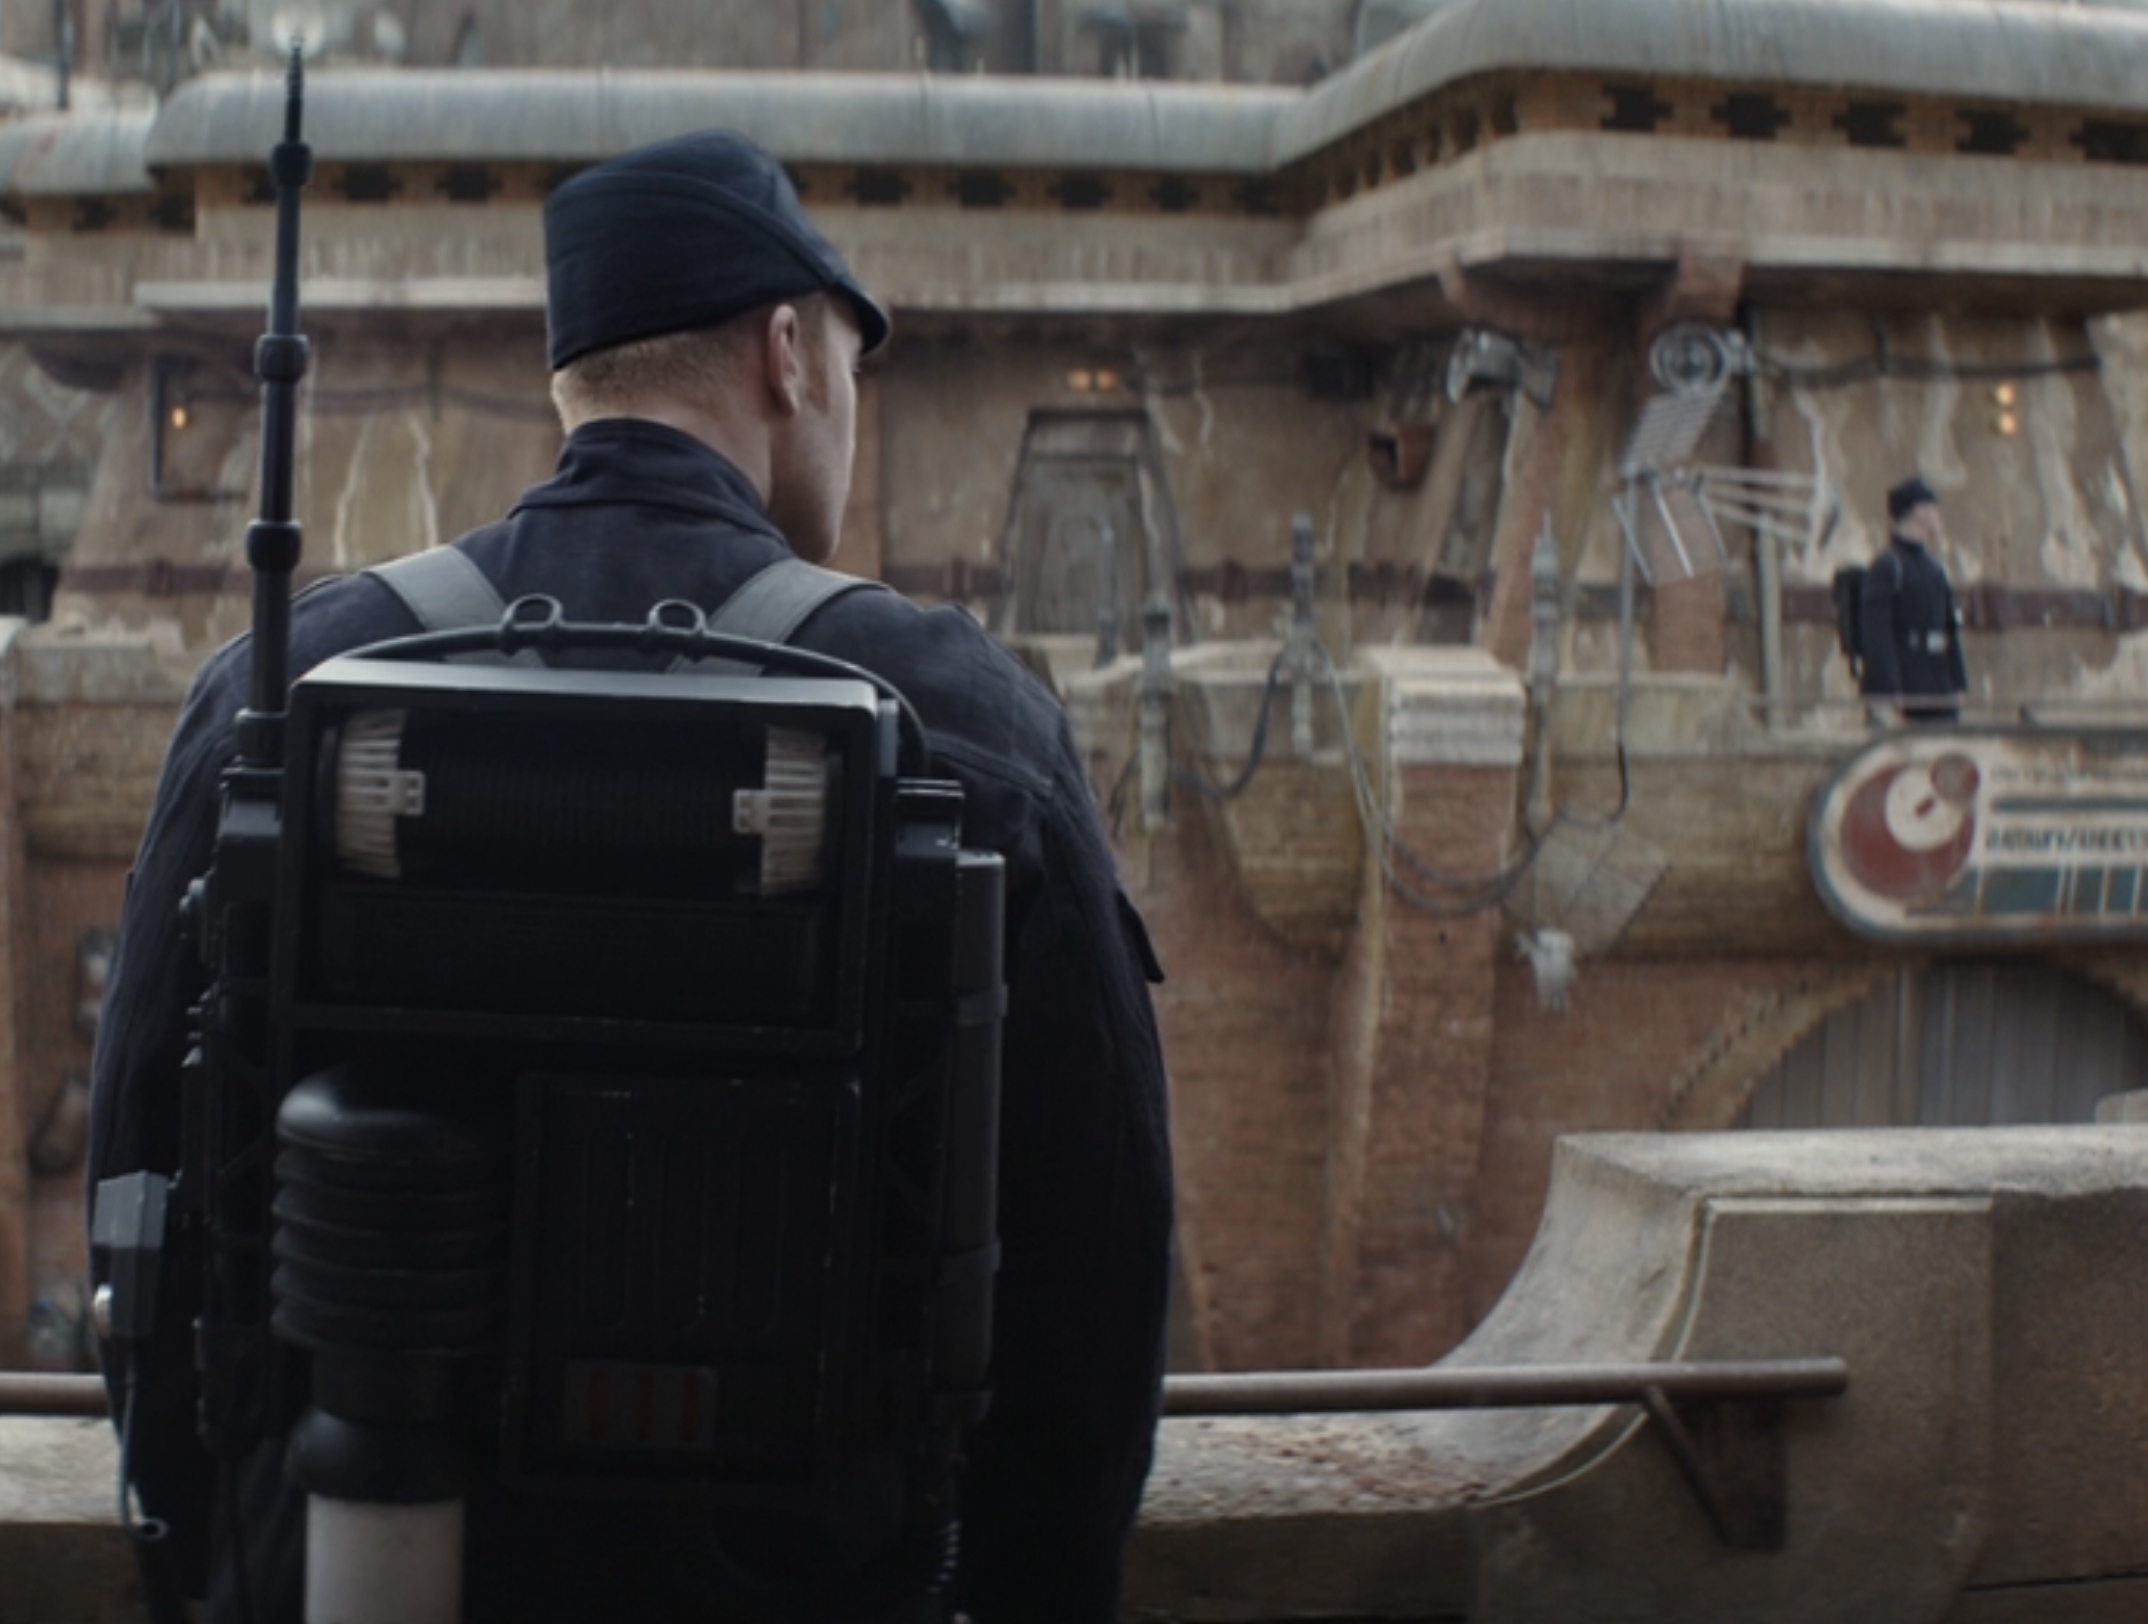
173	212
27	581
2111	141
1873	123
369	183
1635	107
982	189
878	188
1174	196
469	183
1992	132
1750	115
1081	191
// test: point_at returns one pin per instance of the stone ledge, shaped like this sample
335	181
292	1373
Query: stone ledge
1963	1478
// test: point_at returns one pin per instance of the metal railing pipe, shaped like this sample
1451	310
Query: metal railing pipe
1276	1392
1307	1392
25	1392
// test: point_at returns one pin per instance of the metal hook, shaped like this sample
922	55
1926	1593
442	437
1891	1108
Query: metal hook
678	614
530	618
671	617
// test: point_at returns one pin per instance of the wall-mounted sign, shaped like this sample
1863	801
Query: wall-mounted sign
1960	835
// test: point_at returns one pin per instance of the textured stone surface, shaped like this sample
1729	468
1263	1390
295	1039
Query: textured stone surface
63	1559
1925	1260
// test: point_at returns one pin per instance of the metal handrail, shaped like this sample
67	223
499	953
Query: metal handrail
39	1393
1308	1392
1305	1392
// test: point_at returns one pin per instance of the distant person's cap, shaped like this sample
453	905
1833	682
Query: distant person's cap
686	233
1910	493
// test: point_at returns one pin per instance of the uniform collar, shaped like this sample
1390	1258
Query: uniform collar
631	462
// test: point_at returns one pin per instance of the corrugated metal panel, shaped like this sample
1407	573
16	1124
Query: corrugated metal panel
1969	1045
377	116
61	154
1997	50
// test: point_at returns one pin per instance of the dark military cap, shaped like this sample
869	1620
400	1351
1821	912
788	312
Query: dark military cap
686	233
1910	493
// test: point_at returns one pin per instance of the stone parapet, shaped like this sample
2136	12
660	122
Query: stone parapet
1982	1464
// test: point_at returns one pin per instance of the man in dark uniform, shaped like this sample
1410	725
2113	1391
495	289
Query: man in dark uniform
1908	627
703	337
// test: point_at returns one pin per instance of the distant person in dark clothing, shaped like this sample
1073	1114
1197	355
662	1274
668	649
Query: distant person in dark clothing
1908	625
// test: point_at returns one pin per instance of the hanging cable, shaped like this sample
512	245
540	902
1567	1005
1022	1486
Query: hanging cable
1231	791
1404	871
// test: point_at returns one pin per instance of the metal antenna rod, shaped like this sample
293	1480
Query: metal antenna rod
273	540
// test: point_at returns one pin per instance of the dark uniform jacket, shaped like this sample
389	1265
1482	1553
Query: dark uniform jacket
1909	629
636	514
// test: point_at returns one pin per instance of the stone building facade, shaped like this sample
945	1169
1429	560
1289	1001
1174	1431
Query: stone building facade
1140	327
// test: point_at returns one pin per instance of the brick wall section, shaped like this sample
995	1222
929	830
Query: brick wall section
1424	1093
1603	1065
1413	1030
1360	989
1244	1020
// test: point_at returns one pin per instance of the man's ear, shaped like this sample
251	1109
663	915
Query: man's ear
783	360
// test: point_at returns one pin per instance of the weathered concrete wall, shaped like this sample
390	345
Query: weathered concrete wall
1962	1477
1244	445
2019	432
2040	507
399	447
2122	341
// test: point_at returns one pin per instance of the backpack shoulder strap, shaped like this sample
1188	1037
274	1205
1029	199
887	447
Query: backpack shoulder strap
774	603
444	591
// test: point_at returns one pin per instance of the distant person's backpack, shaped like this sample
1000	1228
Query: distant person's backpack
1849	616
1849	590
